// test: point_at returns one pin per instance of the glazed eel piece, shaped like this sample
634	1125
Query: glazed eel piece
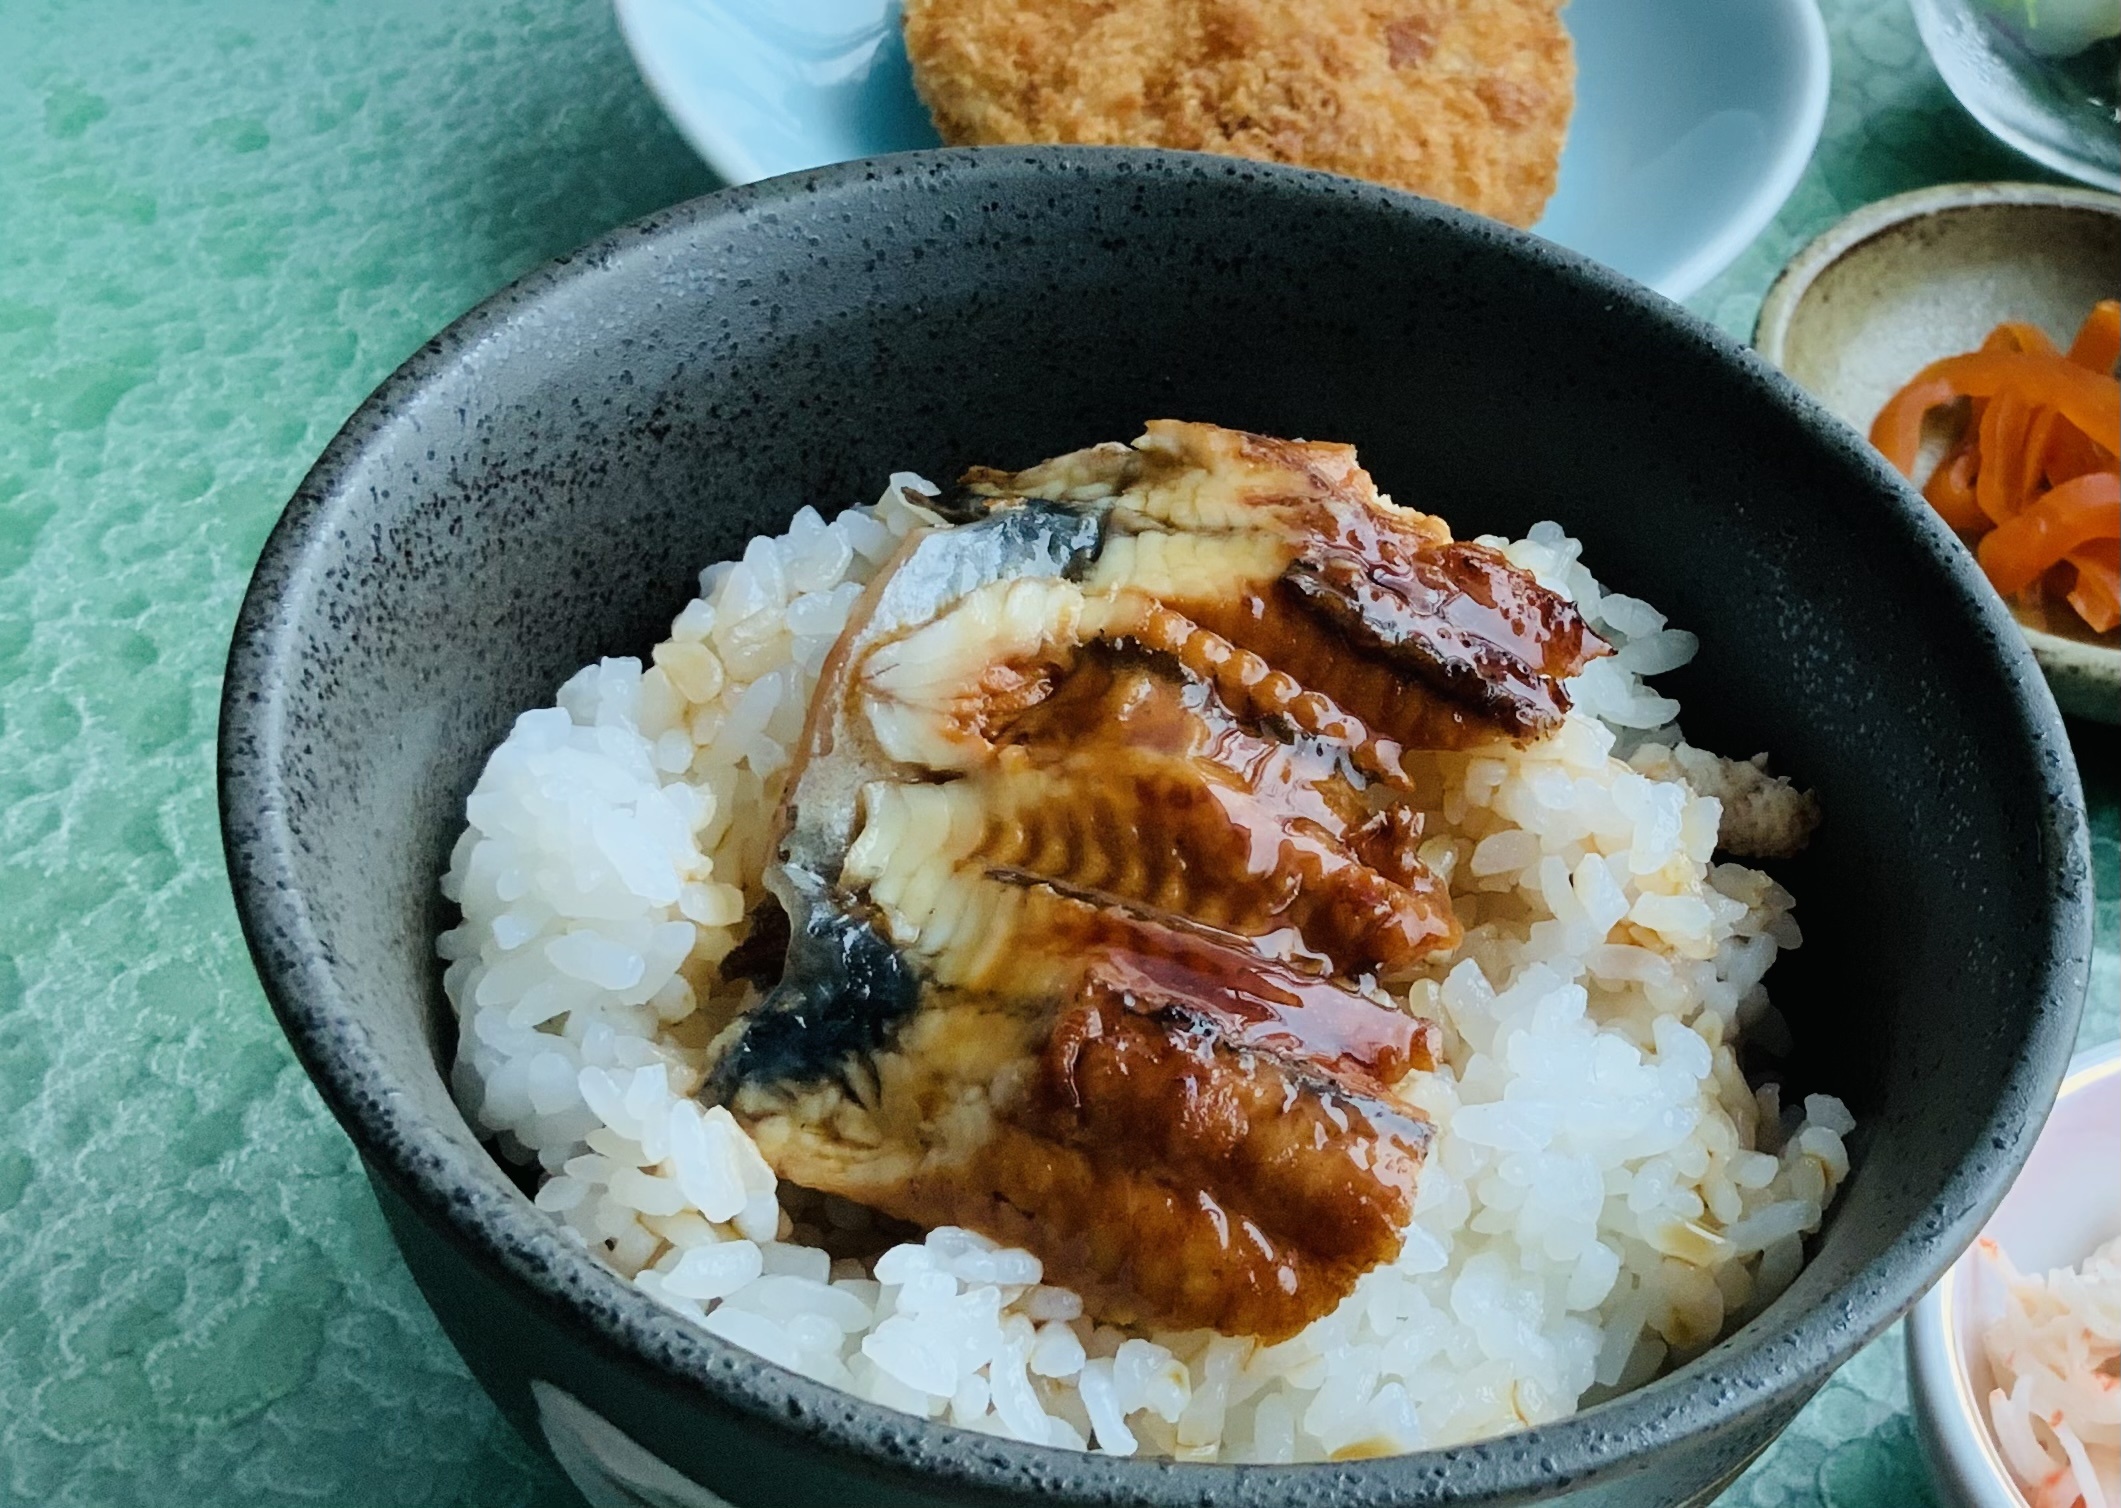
1098	843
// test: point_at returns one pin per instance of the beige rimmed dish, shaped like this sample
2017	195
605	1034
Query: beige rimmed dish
1907	280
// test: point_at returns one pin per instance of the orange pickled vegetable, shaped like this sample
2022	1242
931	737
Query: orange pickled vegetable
2003	427
2016	552
2072	453
2032	481
2096	594
1898	428
1950	489
2031	460
2090	400
2098	342
2017	335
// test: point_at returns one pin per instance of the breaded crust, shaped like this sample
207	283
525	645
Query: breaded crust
1462	100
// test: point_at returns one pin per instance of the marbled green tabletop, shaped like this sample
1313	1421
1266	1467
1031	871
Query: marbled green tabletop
220	225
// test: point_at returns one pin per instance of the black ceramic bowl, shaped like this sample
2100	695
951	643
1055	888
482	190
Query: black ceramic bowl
538	486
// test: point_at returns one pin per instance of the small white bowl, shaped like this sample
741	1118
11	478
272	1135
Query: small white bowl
2066	1202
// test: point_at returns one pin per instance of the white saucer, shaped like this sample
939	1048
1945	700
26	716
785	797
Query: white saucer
1693	120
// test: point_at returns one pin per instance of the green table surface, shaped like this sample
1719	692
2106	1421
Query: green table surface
220	225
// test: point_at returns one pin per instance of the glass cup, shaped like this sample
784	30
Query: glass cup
2037	75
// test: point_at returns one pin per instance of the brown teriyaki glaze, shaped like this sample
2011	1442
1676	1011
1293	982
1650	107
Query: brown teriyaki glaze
1100	844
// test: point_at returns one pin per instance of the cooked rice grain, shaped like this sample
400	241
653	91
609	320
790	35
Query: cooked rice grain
1606	1194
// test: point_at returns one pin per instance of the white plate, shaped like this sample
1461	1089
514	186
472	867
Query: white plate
1694	118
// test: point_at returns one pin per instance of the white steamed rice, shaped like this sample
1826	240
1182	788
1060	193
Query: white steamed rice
1606	1192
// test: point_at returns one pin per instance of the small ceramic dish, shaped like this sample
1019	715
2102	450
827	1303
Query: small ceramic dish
1692	125
1909	279
2064	1204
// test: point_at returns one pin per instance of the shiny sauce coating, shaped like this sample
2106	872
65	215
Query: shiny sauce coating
1131	842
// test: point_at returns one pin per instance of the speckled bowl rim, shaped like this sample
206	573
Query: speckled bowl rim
2069	656
465	1195
1771	326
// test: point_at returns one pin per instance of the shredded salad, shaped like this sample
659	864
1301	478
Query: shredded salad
2053	1345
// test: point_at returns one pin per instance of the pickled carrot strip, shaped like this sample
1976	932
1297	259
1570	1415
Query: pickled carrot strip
2096	594
2032	480
1950	489
2031	462
2098	342
2015	553
2016	335
2002	439
1898	428
2071	454
2090	400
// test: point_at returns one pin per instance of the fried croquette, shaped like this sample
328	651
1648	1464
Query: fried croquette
1462	100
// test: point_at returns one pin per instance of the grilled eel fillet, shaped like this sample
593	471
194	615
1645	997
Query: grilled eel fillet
1098	843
